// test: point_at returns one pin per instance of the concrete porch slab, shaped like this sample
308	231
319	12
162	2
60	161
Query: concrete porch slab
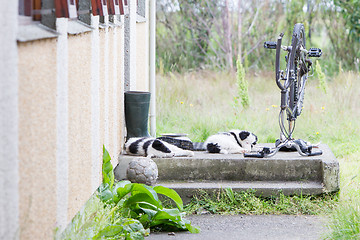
286	171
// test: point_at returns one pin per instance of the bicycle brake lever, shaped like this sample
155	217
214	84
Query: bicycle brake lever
317	153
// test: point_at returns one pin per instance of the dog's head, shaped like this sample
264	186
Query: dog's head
247	139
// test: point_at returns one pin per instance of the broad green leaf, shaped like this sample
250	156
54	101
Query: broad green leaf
107	169
147	205
122	191
168	225
104	192
121	184
135	236
141	198
191	228
173	212
149	212
165	215
142	188
109	231
170	193
133	225
145	220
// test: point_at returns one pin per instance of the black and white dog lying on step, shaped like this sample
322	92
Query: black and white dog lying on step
234	141
154	148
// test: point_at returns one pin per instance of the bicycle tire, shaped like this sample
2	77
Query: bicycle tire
300	69
295	95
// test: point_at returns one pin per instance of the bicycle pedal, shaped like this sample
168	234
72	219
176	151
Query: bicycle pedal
270	45
314	52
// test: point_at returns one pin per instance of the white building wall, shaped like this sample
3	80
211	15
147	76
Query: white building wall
9	163
101	76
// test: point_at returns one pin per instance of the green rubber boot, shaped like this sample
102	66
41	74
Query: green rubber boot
137	114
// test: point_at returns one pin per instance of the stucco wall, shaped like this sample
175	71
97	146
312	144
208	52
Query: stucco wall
37	139
70	100
142	56
79	98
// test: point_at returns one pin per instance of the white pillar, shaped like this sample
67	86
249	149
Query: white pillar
95	104
9	161
152	59
62	115
130	47
106	82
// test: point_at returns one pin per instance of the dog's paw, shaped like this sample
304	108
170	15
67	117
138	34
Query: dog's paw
223	151
245	151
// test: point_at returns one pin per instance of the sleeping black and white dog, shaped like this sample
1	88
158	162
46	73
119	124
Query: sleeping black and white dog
154	148
234	141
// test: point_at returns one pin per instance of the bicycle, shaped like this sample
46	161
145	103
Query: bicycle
292	85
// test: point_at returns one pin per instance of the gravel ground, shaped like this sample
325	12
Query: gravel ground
269	227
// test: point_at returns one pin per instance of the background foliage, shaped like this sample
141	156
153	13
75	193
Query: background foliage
198	34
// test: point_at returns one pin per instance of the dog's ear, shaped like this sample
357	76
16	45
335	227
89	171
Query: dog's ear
243	135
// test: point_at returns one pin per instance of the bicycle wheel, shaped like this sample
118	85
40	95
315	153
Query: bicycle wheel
297	74
300	68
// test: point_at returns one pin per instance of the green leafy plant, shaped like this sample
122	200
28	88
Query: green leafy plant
125	210
107	169
97	220
321	76
141	202
242	84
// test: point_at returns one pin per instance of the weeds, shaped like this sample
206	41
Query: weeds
226	201
345	222
242	84
321	76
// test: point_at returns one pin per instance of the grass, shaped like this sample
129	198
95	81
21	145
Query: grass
204	103
201	104
228	202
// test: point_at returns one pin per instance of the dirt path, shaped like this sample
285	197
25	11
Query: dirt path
269	227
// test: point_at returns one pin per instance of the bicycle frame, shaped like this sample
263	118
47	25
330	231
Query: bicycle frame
287	86
292	91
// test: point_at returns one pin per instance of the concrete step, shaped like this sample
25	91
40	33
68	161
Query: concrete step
234	167
286	171
261	188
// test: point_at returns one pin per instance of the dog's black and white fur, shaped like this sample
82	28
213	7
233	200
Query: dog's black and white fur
234	141
154	148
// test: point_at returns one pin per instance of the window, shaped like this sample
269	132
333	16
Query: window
36	9
99	7
37	16
140	10
126	7
65	8
114	7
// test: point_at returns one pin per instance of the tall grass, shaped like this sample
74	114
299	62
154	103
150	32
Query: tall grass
204	103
